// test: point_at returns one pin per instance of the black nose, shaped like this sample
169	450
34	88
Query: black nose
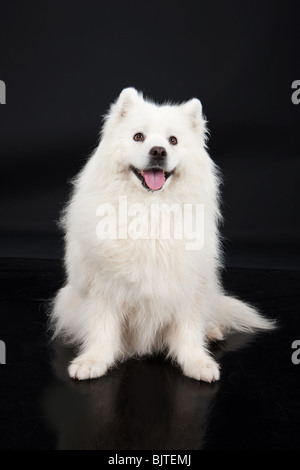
158	153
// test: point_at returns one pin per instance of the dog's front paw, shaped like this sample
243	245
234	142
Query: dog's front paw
83	368
205	369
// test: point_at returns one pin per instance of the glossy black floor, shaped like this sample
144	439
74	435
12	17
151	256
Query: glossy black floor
148	404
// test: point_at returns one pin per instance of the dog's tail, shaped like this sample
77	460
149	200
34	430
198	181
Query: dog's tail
237	315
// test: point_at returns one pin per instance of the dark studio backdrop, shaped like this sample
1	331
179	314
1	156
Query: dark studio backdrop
63	63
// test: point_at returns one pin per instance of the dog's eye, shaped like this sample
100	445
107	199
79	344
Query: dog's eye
139	137
173	140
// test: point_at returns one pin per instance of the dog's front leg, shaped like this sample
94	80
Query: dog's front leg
100	341
185	339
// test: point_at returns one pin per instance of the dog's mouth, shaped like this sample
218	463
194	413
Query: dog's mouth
152	179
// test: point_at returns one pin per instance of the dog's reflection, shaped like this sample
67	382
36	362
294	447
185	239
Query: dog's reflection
142	404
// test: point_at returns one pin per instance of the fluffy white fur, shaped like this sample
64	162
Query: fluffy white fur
129	297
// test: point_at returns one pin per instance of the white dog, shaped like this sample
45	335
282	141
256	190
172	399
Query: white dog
131	293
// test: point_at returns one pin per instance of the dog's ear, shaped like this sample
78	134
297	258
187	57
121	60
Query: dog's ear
118	110
193	109
127	98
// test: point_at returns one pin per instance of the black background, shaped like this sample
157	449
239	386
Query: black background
64	63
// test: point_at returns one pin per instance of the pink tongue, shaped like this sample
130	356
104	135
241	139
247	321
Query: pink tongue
155	179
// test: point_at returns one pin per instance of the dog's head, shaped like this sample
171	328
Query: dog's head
151	143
